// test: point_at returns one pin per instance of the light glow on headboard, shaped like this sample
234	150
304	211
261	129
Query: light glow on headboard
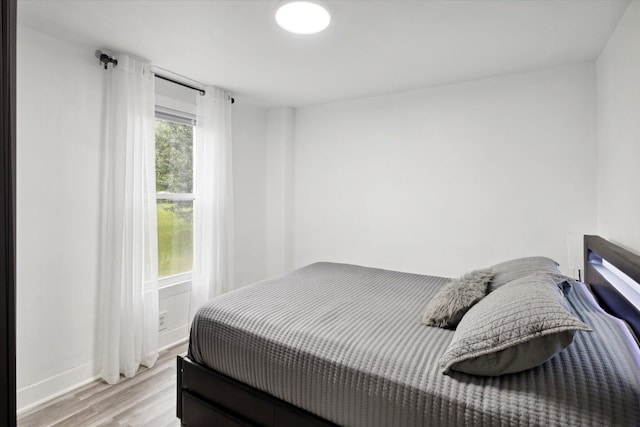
628	287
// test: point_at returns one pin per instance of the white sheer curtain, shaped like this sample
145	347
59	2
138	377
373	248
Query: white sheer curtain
213	206
129	247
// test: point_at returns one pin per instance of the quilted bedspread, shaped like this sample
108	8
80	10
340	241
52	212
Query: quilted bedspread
345	342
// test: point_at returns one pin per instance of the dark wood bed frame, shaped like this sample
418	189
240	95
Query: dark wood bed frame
597	249
209	398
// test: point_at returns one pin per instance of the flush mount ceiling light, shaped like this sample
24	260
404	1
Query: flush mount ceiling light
302	17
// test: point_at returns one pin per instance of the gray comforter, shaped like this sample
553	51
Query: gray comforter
345	343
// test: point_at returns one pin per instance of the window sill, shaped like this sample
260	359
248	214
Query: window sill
170	289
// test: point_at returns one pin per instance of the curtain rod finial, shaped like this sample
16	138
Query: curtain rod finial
106	59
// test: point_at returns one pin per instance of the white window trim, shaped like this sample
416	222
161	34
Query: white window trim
173	285
174	289
163	195
177	116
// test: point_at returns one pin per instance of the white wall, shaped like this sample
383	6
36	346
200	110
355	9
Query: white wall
279	187
448	179
250	191
619	133
59	124
60	97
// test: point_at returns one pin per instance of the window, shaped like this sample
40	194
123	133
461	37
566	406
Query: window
174	186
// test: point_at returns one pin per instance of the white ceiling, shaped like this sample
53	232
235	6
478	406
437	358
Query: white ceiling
371	47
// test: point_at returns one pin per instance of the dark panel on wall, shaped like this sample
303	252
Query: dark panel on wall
7	213
597	249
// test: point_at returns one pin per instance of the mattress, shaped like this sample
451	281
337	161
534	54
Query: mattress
345	342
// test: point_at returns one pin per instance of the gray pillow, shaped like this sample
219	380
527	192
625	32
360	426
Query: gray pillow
508	271
517	327
456	297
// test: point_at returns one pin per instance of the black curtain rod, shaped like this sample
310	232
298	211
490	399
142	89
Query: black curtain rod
106	60
202	92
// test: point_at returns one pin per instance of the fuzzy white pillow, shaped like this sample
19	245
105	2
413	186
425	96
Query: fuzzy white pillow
455	298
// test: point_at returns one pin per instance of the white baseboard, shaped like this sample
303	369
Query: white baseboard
41	392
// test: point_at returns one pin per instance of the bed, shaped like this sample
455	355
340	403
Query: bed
337	344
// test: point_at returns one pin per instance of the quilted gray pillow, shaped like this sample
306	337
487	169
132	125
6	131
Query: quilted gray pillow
508	271
517	327
456	297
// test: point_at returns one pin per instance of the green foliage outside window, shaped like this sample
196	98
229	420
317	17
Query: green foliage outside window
174	174
174	157
175	238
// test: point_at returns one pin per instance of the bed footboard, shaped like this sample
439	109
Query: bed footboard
206	397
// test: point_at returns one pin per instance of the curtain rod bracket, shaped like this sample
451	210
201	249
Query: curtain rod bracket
106	59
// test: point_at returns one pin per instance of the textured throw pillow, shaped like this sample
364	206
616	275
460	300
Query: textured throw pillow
456	297
517	327
508	271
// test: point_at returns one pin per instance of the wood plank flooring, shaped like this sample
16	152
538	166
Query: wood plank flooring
148	399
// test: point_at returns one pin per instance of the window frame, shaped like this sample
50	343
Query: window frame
181	117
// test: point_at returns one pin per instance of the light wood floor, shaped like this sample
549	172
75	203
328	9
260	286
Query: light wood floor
148	399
